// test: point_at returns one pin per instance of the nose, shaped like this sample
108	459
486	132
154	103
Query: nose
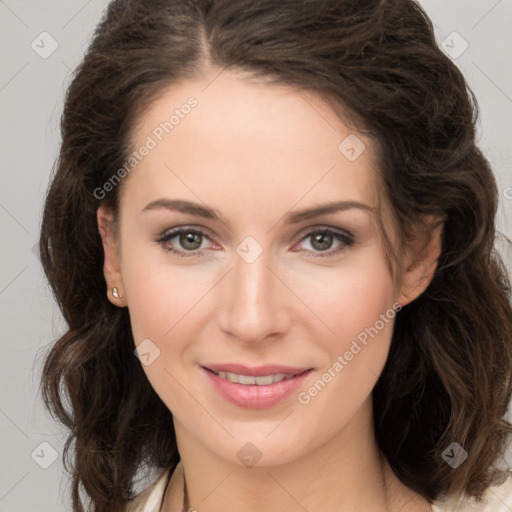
254	301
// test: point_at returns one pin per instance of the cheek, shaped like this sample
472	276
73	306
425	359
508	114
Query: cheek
159	294
361	300
356	354
352	297
356	304
161	299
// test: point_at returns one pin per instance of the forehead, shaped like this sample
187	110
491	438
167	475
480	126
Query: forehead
221	133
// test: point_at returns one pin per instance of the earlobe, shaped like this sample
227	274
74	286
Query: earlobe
111	262
422	264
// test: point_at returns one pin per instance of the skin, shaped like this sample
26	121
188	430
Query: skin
254	152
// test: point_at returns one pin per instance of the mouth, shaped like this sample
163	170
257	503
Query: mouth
255	387
246	380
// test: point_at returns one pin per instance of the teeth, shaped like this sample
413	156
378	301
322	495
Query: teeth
264	380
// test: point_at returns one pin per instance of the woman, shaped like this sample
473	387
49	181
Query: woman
271	235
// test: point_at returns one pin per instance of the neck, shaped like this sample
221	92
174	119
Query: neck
347	472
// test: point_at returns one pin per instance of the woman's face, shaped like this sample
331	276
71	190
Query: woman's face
256	281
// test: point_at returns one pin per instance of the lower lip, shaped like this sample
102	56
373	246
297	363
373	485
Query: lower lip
252	396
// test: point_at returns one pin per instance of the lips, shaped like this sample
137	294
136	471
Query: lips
255	387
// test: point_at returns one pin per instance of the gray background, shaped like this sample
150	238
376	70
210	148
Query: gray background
31	94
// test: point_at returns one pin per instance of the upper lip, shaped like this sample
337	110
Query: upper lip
256	371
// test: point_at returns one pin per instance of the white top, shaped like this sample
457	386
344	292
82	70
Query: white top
495	499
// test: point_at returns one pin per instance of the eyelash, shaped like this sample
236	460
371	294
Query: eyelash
346	238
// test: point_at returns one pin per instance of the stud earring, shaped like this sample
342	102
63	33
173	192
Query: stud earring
115	292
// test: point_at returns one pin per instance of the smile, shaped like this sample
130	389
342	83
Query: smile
265	390
263	380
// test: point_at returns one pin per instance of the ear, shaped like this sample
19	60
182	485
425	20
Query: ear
422	254
111	262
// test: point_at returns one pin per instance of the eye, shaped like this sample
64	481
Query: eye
323	239
188	238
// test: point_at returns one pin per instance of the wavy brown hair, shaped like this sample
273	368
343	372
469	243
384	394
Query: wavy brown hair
448	374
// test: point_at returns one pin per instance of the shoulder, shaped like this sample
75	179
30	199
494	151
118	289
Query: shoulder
149	499
497	498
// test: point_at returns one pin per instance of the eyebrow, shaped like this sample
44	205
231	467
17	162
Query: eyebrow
198	210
